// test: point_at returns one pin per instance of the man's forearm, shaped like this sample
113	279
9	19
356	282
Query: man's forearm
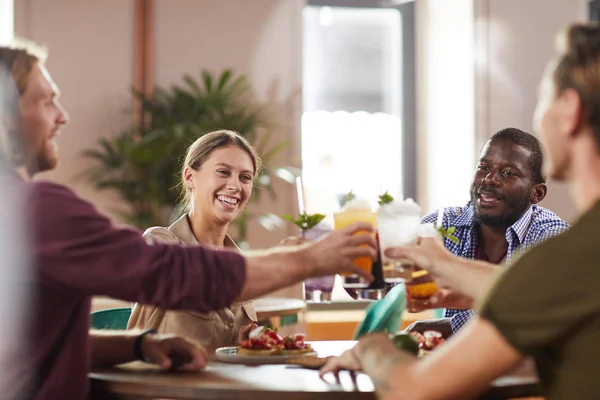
387	367
274	269
112	347
469	277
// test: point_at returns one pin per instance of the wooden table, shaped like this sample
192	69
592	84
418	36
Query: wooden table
265	382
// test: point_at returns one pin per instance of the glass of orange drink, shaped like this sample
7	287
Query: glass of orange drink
421	286
356	210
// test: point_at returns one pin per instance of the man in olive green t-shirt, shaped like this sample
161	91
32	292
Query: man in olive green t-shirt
546	304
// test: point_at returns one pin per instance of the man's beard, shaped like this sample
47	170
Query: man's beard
514	206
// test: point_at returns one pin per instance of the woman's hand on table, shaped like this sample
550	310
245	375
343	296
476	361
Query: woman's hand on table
173	352
245	330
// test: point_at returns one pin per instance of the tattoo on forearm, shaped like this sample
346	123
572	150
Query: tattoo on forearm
379	360
381	386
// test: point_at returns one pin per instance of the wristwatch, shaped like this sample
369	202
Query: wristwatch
137	344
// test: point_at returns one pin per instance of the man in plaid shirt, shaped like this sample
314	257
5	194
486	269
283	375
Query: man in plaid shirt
502	216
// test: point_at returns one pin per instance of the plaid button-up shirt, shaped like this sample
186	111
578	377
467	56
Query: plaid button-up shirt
535	225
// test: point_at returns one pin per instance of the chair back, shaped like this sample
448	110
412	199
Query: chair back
113	318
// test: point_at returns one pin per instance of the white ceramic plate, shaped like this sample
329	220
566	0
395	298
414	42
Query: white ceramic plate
230	355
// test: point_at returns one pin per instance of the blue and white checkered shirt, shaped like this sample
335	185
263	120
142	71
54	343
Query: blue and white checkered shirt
535	226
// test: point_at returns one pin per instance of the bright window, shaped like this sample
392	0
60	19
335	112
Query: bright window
6	21
352	88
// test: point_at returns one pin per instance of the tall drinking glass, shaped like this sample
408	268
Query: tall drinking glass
421	285
318	290
397	224
357	210
378	288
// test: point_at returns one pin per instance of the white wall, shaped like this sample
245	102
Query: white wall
91	60
445	95
515	40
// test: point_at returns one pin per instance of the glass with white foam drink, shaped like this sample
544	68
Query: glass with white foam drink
356	210
397	224
318	290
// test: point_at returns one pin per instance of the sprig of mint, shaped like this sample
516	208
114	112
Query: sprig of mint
350	196
448	233
385	198
305	221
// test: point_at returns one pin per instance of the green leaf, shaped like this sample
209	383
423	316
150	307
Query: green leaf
289	218
305	221
448	233
385	198
193	85
224	79
208	80
454	239
276	149
350	196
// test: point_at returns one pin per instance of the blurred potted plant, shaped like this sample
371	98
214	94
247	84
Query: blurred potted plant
142	163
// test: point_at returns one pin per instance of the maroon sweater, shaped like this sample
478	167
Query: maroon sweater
80	254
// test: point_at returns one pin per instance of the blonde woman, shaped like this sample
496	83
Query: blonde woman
217	178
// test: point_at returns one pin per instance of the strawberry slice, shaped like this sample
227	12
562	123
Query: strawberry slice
274	336
288	343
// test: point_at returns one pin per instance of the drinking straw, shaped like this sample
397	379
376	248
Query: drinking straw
440	218
300	195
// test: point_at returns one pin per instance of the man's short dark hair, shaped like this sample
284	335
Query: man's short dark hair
529	142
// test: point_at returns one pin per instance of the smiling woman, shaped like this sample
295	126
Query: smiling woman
216	179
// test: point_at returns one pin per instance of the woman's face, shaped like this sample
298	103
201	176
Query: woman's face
222	185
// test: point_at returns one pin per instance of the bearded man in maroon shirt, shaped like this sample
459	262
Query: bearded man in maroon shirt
78	253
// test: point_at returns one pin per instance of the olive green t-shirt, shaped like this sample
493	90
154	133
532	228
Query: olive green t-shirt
546	304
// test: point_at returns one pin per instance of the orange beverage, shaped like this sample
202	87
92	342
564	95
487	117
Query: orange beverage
347	217
421	285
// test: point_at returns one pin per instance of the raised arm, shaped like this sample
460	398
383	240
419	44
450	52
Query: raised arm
282	266
468	277
80	250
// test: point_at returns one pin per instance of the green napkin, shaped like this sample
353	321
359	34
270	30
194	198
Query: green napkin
385	315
